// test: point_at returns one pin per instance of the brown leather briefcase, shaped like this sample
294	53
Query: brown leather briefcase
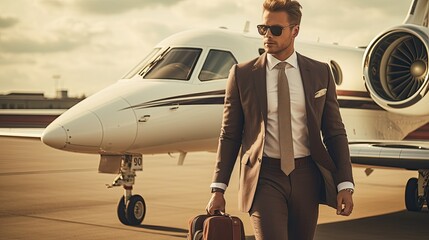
216	227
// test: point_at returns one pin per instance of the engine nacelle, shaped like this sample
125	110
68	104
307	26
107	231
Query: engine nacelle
396	70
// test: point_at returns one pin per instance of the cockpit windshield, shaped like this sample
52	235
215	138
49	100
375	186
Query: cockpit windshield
141	64
175	63
178	64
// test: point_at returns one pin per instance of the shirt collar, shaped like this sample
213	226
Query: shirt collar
291	60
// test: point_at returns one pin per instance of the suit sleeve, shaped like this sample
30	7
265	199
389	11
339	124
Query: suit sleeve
334	133
231	131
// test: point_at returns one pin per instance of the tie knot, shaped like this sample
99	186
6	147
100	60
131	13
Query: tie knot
281	65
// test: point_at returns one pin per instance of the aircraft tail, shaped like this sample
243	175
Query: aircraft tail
418	13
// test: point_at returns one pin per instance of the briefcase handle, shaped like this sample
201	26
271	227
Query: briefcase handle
236	224
219	213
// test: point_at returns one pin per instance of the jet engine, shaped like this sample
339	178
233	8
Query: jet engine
396	70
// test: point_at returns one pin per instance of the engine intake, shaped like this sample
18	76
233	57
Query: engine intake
396	70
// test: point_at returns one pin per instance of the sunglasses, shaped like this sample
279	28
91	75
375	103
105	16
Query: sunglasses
276	30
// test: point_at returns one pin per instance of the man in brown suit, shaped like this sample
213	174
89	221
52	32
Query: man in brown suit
284	174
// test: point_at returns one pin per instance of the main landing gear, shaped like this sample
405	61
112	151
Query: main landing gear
417	192
131	208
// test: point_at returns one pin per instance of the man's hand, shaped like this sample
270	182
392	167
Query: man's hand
216	203
344	203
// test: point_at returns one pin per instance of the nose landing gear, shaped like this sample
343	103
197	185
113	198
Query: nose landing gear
131	208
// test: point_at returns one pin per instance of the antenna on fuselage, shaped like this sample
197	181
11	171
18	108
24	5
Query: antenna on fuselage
246	27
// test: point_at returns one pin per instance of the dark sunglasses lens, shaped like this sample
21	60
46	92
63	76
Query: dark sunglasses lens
262	29
276	30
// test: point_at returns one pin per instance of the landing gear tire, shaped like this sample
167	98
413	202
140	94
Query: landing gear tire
121	210
426	196
136	210
427	201
413	201
133	212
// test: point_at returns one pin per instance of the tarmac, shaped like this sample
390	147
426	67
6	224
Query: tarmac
51	194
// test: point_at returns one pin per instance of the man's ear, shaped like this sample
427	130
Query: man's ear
295	30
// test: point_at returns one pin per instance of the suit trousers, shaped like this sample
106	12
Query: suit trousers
286	207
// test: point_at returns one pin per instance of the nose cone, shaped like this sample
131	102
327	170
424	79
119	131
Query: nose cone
76	131
55	136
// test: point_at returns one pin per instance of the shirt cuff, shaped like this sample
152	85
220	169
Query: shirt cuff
219	185
345	185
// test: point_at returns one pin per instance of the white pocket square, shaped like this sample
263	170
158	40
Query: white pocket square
320	93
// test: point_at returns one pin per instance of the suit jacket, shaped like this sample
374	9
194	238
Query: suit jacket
244	124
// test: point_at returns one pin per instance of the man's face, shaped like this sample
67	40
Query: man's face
281	46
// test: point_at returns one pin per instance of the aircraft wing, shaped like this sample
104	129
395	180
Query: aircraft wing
22	132
411	155
27	123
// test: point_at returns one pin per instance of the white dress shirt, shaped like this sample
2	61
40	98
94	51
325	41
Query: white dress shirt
301	144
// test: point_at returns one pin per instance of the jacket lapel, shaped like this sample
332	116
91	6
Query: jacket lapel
260	83
308	90
306	82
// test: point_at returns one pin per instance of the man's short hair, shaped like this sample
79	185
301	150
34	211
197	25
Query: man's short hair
292	9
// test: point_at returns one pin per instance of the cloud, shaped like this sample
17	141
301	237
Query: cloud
210	9
116	6
7	22
364	5
26	45
13	59
54	3
351	22
64	34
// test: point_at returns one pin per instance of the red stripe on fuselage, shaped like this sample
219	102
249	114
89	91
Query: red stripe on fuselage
421	133
348	93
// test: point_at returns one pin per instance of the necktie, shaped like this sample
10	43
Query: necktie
285	128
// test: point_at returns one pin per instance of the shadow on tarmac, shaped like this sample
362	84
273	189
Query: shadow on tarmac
163	228
397	225
393	226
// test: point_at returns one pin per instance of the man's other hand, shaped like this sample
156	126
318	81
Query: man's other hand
344	203
216	203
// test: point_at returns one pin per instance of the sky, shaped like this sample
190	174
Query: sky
86	45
